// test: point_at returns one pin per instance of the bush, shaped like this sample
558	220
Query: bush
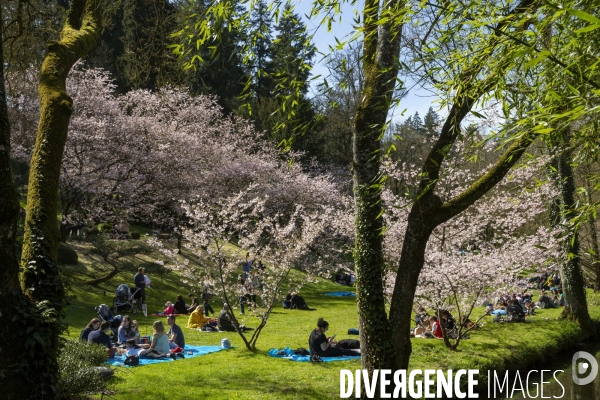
134	235
105	227
77	377
93	231
67	255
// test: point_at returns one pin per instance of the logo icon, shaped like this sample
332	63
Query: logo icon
589	367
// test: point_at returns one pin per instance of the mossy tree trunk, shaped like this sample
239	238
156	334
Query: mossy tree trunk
13	368
428	211
40	277
563	209
381	50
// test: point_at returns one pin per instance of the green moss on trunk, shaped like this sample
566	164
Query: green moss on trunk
40	277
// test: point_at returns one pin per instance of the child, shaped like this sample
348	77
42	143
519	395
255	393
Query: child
134	333
169	309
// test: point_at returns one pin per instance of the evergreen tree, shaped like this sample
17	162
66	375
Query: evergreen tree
261	48
146	61
431	122
222	73
293	53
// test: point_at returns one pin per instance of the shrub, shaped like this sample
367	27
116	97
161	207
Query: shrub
67	255
134	235
92	231
105	227
77	377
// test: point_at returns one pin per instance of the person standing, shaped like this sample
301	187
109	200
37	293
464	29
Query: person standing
140	283
175	334
206	296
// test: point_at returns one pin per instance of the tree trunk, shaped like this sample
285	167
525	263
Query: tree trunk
573	283
40	278
594	240
381	48
16	379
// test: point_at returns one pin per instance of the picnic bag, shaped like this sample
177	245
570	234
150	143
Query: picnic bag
132	360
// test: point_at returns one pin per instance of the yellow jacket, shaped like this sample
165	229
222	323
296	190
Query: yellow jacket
197	319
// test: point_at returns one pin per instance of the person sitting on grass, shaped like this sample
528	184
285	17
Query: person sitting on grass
123	332
448	321
194	302
436	329
197	318
179	305
515	311
160	340
102	338
134	333
92	326
226	324
169	309
323	346
175	334
299	303
134	350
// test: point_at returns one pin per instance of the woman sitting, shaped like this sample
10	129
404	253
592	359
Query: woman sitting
179	305
160	340
123	332
324	346
94	325
197	318
436	329
134	333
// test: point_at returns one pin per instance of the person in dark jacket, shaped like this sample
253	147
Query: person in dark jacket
94	325
324	346
100	337
195	302
226	324
299	303
179	305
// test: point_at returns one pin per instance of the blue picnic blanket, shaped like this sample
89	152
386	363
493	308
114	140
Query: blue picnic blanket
340	294
498	312
195	351
288	354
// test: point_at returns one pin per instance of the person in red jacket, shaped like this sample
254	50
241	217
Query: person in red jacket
436	329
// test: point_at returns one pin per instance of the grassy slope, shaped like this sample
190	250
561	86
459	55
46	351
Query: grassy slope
240	374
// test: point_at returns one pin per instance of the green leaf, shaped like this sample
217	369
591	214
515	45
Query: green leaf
584	16
588	28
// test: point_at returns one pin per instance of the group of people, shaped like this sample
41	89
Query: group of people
161	344
344	278
430	326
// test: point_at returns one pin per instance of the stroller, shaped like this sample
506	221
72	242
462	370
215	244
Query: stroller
104	314
126	298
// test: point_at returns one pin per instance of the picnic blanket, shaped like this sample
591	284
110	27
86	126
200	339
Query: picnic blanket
498	312
340	294
189	351
164	315
288	354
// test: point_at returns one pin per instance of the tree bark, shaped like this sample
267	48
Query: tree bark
40	277
594	239
381	49
15	381
573	283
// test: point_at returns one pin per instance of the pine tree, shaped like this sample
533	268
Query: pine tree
261	48
146	62
431	122
223	73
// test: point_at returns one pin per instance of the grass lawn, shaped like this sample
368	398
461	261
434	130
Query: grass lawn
240	374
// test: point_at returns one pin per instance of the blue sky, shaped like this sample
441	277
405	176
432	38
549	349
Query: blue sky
417	100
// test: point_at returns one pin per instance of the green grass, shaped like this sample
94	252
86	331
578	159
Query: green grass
240	374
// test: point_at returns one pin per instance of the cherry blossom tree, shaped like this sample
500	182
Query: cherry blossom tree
292	248
489	249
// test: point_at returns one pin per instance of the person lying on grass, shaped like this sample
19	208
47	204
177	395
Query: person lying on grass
153	354
102	338
324	346
197	318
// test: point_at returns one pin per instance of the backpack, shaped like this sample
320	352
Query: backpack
132	360
352	331
225	343
301	351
